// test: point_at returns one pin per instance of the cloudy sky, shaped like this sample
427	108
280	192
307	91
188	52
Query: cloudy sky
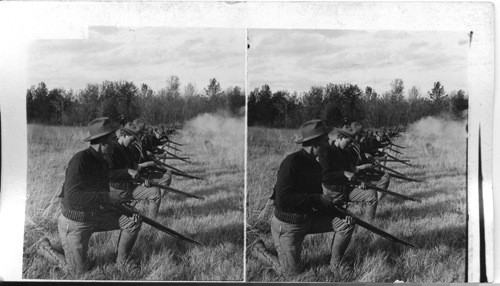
295	60
142	55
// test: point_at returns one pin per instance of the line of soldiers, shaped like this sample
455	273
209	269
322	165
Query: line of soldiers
314	187
120	166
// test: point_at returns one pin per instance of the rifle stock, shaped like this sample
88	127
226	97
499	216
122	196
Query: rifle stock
129	211
371	228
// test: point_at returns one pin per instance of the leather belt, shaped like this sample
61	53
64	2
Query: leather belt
80	216
290	217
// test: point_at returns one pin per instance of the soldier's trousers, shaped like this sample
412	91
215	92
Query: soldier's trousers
356	195
75	236
152	195
288	239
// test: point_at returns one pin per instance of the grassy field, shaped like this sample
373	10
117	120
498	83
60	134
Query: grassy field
437	226
215	145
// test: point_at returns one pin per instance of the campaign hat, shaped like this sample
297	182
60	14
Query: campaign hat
312	129
131	129
100	127
346	131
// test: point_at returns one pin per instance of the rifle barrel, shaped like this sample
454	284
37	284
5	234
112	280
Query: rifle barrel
401	196
392	157
174	190
397	146
395	151
172	147
129	211
394	175
177	157
389	169
373	229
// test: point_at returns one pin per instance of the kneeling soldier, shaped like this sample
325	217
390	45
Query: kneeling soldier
124	171
85	197
300	206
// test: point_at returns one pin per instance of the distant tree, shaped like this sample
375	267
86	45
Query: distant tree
213	88
458	103
173	86
235	100
414	93
437	93
397	89
190	90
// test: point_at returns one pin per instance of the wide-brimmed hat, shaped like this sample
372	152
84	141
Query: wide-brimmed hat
346	131
100	127
131	129
141	125
312	129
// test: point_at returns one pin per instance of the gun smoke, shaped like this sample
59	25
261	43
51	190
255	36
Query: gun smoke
439	127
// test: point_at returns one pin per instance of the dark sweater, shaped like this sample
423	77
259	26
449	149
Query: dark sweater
86	185
122	161
298	188
334	161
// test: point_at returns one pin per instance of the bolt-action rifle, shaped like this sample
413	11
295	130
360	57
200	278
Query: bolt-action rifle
378	172
177	173
394	158
171	147
168	188
177	157
366	185
129	211
395	151
392	144
371	228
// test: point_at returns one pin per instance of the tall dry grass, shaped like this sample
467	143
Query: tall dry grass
216	222
437	226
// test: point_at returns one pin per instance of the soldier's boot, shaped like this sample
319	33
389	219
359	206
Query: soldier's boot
44	248
260	251
340	242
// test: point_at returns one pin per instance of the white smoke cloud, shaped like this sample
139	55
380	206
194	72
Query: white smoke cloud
439	127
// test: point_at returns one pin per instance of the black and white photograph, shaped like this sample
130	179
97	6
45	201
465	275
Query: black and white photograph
357	156
262	142
135	156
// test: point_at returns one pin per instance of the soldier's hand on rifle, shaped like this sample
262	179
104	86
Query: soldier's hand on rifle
364	167
147	184
349	220
167	178
349	175
136	218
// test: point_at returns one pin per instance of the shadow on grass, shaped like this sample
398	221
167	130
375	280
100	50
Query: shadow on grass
418	212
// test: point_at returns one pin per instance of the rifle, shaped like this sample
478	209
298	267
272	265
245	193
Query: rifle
176	157
129	211
172	189
170	141
395	151
390	143
371	228
181	173
370	186
394	158
378	172
165	145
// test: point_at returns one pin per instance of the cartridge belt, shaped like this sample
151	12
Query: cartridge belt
80	216
290	217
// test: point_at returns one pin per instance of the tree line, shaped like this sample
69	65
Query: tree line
115	99
339	103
